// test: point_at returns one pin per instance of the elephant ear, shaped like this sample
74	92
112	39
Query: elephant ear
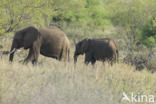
84	45
30	36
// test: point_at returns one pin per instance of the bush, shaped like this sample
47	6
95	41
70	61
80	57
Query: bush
149	33
142	61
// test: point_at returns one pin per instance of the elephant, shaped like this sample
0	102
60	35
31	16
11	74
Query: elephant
96	49
50	42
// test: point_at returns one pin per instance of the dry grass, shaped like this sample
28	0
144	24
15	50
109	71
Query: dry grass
59	83
53	82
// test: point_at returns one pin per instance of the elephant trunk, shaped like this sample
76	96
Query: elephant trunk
12	51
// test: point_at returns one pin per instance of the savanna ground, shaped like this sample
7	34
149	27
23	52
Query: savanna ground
54	82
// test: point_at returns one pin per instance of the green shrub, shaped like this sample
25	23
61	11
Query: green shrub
149	33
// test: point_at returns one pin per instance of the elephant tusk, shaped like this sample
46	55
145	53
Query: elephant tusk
12	51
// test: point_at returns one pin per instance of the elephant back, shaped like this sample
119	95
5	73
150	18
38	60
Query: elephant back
56	40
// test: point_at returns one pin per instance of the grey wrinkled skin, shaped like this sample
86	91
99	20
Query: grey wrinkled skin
96	49
50	42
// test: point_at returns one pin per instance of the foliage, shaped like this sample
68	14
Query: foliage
142	60
149	33
16	14
133	16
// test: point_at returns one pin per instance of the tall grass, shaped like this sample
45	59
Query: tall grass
54	82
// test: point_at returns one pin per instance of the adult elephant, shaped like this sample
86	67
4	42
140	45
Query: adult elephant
97	49
50	42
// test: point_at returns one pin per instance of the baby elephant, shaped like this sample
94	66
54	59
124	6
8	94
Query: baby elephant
97	49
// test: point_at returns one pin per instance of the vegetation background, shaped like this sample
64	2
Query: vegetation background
131	23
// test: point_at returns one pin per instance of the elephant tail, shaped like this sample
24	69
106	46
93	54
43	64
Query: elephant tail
61	54
65	54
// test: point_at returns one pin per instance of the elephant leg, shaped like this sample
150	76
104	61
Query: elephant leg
61	54
33	55
88	58
93	61
35	58
29	57
111	61
86	62
34	61
36	52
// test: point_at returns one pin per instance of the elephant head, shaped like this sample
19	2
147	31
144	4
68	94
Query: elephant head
81	48
24	38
